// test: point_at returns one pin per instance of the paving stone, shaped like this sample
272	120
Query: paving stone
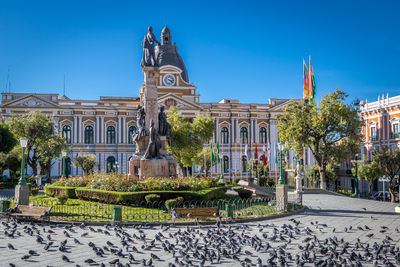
337	212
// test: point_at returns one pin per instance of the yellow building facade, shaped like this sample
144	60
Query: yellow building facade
105	126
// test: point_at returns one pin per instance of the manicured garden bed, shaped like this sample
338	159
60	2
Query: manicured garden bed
85	193
81	210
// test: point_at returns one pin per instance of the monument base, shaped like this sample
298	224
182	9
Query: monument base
22	194
281	197
141	168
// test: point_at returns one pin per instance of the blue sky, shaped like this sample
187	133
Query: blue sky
247	50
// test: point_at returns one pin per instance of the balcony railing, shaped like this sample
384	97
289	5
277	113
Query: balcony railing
373	138
395	135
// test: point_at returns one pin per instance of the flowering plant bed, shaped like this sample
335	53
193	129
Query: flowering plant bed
121	183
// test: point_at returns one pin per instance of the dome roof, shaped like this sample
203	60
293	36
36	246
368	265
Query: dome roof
167	54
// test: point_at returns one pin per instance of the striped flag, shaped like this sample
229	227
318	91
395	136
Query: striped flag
246	151
276	153
264	159
256	155
311	83
306	94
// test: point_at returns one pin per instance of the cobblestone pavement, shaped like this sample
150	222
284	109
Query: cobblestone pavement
334	228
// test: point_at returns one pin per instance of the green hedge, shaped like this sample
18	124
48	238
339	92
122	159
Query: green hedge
137	197
53	191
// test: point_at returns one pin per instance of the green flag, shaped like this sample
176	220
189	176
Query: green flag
218	151
212	154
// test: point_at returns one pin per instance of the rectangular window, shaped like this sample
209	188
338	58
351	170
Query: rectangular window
373	133
395	133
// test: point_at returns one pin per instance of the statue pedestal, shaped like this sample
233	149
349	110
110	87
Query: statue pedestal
22	194
281	197
153	168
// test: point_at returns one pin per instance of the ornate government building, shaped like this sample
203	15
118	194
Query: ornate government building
105	126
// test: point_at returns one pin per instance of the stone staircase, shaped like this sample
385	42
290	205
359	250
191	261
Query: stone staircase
259	191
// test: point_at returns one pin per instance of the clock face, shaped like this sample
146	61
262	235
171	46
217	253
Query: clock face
169	80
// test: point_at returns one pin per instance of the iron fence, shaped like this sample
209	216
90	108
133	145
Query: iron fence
81	211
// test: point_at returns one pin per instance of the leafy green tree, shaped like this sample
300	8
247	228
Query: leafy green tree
389	162
199	160
11	161
42	143
369	172
7	139
187	138
86	162
331	130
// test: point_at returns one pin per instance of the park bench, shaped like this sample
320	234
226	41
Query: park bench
24	211
197	212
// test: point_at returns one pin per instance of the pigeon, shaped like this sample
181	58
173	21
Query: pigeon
65	258
10	246
25	257
90	261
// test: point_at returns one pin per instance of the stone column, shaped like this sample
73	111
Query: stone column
97	129
102	129
80	129
237	132
119	130
22	194
75	130
150	96
281	197
124	129
217	129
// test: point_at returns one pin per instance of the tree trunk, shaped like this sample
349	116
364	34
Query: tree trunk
370	183
322	173
391	190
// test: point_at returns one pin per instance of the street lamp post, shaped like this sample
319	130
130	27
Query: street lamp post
116	166
22	189
281	187
24	143
64	167
356	160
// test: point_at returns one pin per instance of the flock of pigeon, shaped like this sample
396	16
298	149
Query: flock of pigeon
293	243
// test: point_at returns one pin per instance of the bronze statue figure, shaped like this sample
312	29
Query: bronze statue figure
149	40
141	123
153	150
164	128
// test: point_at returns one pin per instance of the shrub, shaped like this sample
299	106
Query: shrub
171	203
180	200
104	196
34	191
244	193
139	197
77	181
62	199
53	191
152	198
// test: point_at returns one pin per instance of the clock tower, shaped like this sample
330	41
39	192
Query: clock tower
173	85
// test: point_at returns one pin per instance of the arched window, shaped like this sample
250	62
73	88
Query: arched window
263	136
110	164
224	135
243	135
66	133
88	134
132	130
226	164
110	135
244	164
